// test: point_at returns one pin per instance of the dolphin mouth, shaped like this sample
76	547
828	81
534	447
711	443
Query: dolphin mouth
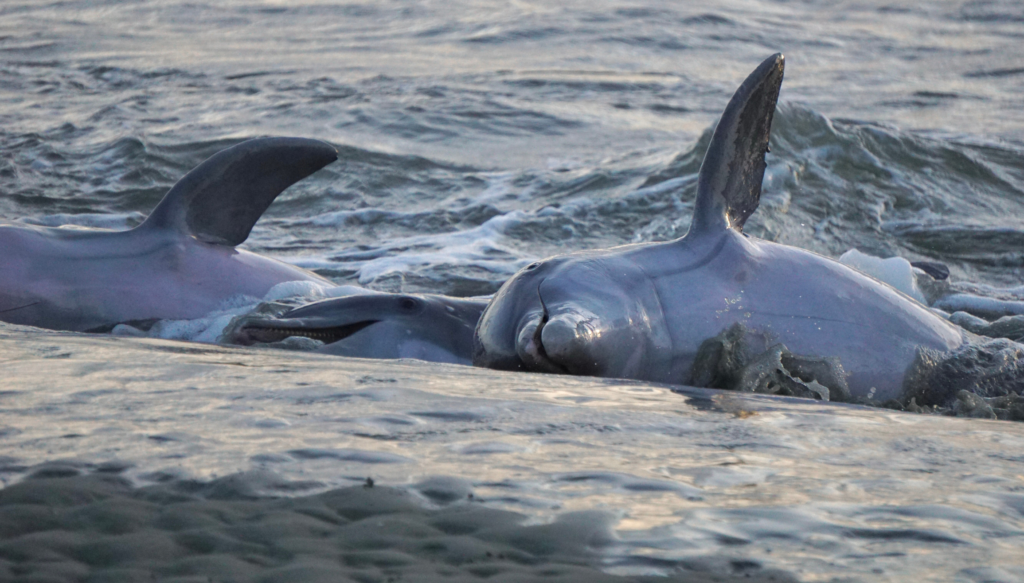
273	331
530	345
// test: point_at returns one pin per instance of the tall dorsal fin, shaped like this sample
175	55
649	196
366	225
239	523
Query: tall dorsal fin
729	183
221	199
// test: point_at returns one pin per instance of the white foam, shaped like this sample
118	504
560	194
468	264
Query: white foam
290	289
894	271
206	329
115	221
310	290
126	330
478	247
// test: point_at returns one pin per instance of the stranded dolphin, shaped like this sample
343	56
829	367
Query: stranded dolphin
180	263
643	311
379	325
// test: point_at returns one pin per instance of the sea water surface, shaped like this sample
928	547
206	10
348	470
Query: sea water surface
478	136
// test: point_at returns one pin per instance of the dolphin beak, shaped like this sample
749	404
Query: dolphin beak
560	337
567	338
566	343
266	331
531	350
529	344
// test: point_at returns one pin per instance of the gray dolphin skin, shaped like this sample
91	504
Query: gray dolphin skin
180	263
643	311
379	325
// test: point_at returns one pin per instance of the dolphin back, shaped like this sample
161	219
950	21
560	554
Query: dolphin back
729	184
220	200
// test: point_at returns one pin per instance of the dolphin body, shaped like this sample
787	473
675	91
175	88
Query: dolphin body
643	311
379	325
180	263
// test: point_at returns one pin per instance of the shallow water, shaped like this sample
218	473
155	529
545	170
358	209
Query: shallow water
475	137
734	482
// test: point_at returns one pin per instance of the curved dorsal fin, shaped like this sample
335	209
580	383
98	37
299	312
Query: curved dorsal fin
729	183
221	199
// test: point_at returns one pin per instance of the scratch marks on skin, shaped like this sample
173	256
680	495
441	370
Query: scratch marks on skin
735	304
730	303
29	305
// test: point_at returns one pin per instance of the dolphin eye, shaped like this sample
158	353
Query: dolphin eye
408	304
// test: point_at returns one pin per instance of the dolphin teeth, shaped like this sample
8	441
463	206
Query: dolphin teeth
325	335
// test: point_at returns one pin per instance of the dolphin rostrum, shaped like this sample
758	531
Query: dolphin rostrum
378	325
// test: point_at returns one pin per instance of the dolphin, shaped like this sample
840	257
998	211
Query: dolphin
643	311
180	263
428	327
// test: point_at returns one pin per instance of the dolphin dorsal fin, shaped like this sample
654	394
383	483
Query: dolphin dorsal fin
220	200
729	183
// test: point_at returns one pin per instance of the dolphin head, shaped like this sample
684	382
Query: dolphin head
577	314
378	325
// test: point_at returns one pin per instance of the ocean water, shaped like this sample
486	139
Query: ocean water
475	137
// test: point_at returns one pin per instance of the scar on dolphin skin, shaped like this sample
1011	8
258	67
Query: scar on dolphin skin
29	305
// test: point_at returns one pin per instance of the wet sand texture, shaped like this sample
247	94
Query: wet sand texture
98	528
